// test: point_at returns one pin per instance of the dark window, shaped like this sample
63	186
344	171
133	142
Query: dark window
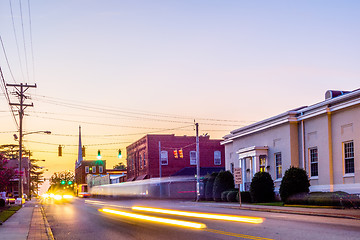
314	168
349	157
278	165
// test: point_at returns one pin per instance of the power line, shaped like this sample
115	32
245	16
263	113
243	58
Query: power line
7	60
23	35
134	112
31	42
16	40
4	89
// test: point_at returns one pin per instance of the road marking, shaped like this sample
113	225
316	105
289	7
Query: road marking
179	223
214	216
238	235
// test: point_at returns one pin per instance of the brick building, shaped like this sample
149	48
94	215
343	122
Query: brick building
143	156
94	167
85	167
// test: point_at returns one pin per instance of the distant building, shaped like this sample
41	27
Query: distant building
85	167
25	172
143	156
116	175
323	139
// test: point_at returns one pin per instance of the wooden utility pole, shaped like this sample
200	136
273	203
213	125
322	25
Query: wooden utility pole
20	90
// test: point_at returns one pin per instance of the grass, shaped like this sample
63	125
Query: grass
7	212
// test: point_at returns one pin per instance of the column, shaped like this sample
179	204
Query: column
243	171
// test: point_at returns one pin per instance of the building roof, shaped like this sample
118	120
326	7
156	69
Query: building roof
334	100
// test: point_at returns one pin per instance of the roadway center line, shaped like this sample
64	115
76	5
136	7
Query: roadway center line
238	235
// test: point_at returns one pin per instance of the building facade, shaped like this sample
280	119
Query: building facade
143	160
323	139
85	167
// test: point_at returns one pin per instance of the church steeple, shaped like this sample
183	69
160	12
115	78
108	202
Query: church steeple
80	158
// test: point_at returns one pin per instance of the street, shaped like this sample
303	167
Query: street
81	219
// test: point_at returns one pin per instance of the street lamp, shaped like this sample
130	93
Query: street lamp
20	156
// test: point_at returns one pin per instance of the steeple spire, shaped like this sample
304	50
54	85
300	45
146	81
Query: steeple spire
80	158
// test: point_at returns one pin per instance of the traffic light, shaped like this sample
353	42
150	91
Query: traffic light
63	182
119	155
60	151
83	151
175	153
70	182
99	155
181	155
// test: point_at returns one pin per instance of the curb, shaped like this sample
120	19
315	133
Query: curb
289	212
47	226
298	212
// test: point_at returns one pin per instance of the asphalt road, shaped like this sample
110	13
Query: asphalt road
81	219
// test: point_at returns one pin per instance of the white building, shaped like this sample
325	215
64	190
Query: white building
323	139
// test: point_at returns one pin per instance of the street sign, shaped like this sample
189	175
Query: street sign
237	175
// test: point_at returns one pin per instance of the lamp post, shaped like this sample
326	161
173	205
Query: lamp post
20	156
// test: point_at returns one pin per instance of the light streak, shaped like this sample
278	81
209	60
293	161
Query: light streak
245	219
174	222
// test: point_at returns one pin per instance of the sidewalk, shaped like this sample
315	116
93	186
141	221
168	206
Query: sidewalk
27	223
314	211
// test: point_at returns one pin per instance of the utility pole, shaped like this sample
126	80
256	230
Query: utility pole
160	166
20	90
197	164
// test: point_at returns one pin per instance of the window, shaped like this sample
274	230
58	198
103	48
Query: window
100	169
164	158
94	169
262	161
349	157
278	165
217	158
86	169
192	157
144	160
232	168
140	162
314	172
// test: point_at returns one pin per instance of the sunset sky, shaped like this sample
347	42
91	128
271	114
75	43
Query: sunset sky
122	69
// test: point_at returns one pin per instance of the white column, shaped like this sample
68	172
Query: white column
243	172
254	159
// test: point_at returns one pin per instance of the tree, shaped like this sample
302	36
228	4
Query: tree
224	181
9	151
36	176
61	180
120	166
5	174
295	180
262	187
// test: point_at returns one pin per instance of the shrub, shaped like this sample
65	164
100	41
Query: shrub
245	197
339	199
232	195
224	196
223	181
295	180
2	202
209	186
262	187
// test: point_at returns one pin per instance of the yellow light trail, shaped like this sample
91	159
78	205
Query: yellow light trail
245	219
174	222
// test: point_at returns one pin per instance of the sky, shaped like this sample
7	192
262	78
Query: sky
122	69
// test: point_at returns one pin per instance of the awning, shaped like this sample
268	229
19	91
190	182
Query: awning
130	179
141	177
